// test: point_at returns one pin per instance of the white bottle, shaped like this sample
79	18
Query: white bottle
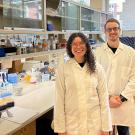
53	44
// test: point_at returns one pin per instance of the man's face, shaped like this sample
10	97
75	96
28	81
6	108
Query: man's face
112	31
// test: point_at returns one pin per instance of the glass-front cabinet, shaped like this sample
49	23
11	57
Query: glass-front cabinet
70	16
21	13
50	15
86	19
104	17
90	20
79	18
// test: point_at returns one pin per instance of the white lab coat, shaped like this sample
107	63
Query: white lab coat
120	71
79	109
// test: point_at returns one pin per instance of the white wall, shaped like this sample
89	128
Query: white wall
128	15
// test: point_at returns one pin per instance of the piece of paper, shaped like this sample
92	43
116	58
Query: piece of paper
19	114
6	63
23	60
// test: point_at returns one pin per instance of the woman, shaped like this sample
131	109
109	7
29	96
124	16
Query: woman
81	99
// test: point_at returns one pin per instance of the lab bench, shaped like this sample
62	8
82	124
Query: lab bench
36	101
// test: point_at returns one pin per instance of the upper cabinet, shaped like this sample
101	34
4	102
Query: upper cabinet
72	16
21	13
50	15
90	20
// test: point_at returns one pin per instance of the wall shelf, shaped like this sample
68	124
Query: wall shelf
29	32
32	55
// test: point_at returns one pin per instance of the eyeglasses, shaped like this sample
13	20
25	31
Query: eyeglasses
115	29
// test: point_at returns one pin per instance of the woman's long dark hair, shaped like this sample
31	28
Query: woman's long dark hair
89	57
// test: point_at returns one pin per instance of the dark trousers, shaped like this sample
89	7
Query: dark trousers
123	130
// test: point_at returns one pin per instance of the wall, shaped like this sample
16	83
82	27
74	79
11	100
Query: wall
130	33
100	5
127	15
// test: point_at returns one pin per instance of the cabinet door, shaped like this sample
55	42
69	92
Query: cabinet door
90	20
71	16
21	13
19	132
29	129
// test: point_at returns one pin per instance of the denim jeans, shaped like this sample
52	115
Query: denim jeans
123	130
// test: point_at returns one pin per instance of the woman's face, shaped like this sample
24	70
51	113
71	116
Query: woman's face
78	49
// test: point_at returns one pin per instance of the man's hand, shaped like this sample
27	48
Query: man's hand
104	133
115	101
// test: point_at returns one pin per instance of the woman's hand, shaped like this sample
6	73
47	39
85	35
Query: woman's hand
104	133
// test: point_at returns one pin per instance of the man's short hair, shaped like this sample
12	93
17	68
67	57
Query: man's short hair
112	20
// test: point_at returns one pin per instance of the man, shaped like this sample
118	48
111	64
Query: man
118	61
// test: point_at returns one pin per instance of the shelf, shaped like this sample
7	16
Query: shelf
2	31
36	54
92	32
86	20
46	32
21	32
53	15
55	32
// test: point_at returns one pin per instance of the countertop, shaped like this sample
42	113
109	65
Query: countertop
36	100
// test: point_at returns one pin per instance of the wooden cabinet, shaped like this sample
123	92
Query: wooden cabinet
29	129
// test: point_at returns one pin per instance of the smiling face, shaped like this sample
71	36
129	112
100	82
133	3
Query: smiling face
112	31
78	49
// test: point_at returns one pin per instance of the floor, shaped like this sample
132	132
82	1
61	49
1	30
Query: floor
132	130
43	124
